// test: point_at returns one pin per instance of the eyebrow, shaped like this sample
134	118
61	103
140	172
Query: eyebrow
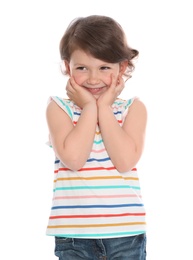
101	65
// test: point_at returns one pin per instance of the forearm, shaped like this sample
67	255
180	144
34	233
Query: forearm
78	143
119	145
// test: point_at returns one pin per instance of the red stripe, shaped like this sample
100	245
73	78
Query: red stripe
86	169
98	216
62	169
90	169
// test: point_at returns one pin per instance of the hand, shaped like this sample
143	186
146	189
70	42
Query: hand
112	93
78	94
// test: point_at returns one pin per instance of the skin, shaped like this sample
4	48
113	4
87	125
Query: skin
94	85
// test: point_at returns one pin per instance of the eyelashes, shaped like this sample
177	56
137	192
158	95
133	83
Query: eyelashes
101	68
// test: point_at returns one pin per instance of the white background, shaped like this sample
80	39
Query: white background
30	32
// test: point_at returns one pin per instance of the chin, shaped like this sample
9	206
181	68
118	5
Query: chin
96	96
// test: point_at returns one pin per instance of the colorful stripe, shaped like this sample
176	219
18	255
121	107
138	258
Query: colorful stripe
96	206
65	106
98	215
96	198
97	235
98	225
97	187
94	178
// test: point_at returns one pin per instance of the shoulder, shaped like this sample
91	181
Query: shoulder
56	103
53	110
60	101
129	104
52	105
137	110
137	104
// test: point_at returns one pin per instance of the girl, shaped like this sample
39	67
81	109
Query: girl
98	139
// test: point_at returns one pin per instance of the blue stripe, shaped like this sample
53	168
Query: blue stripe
57	161
76	113
118	112
90	160
98	160
98	206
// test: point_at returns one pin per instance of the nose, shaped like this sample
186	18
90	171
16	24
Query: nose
93	78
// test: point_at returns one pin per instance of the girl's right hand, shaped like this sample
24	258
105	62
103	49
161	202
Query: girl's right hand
79	95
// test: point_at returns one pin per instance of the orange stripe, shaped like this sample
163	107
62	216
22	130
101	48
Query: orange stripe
131	178
95	178
98	225
90	178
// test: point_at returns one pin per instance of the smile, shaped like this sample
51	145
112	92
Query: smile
94	90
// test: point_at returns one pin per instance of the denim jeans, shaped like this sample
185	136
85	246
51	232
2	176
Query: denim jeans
123	248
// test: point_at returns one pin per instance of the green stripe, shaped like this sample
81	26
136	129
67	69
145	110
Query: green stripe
97	187
118	234
67	108
98	142
128	103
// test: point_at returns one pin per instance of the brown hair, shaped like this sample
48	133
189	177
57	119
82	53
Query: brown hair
100	36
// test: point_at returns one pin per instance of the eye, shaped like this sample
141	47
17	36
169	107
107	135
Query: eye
105	68
81	68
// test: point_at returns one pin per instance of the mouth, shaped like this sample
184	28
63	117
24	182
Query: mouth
95	90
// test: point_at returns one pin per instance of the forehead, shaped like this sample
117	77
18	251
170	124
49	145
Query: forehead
81	57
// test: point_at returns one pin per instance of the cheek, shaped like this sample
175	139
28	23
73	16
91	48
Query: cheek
79	78
106	79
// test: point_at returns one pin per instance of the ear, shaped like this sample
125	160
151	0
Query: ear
67	67
122	67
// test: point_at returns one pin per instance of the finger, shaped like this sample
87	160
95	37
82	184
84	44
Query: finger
120	80
120	86
113	80
73	83
69	88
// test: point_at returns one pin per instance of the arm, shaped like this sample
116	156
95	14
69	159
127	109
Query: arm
124	144
72	145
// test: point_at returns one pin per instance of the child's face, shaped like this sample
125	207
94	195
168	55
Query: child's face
91	73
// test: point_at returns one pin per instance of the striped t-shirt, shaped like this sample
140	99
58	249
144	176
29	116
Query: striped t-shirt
96	201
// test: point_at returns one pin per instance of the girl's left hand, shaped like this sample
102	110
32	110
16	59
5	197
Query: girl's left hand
115	89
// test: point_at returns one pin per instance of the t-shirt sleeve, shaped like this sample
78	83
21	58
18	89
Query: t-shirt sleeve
127	105
65	104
